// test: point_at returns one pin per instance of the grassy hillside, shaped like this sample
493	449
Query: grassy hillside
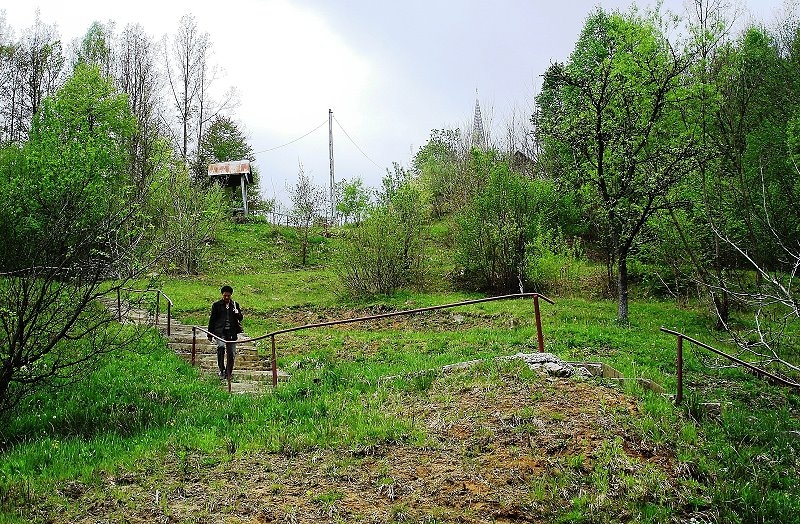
369	429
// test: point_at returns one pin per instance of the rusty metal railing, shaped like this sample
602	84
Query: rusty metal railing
758	371
159	294
272	335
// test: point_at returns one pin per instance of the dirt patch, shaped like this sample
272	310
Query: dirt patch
437	320
497	449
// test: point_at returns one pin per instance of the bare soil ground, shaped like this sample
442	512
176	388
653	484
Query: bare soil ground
499	449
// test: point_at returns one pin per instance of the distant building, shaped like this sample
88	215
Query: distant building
521	162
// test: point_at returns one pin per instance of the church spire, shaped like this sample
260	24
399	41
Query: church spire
478	134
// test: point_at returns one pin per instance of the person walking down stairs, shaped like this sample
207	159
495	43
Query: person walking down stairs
225	322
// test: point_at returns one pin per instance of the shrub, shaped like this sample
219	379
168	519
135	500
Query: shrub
551	263
508	228
385	251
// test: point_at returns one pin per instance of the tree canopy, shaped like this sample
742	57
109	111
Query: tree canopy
70	222
612	116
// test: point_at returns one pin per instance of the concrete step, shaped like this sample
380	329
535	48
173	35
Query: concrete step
249	361
205	346
243	374
250	386
253	375
252	372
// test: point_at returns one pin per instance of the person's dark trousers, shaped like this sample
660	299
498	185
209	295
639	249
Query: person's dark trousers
225	350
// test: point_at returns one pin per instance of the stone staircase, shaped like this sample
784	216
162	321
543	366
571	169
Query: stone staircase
252	372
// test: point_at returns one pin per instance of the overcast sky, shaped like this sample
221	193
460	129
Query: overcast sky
390	71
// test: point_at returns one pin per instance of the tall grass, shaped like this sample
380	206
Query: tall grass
134	411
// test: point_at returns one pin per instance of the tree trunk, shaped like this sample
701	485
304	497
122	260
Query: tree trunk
720	297
304	250
622	287
722	307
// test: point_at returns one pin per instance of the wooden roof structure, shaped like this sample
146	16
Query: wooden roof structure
236	173
231	174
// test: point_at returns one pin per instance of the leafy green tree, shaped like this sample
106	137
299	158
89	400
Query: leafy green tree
757	104
223	141
501	229
386	251
373	257
745	105
352	200
184	216
308	201
96	47
753	207
403	199
612	115
70	221
443	173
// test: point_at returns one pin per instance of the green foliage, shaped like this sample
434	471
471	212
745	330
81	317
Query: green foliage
124	421
222	141
95	48
612	118
754	188
756	479
137	410
74	167
67	186
308	202
385	251
443	172
352	200
502	231
552	263
185	216
67	213
372	258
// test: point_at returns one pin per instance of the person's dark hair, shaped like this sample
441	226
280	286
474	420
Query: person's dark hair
229	289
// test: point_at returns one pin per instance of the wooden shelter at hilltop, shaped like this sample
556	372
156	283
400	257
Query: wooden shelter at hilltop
236	173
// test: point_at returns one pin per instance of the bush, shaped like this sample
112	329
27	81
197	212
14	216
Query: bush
508	228
551	263
376	258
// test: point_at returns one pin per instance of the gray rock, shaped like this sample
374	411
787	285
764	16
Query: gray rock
549	364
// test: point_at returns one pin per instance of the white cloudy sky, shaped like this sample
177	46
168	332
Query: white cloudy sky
390	71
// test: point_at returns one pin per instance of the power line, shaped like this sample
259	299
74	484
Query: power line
354	143
295	140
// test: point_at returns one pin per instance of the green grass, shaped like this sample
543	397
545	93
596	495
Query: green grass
135	411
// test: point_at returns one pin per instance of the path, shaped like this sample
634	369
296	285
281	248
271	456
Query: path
252	372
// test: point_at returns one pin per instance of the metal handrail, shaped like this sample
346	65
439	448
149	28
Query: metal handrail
159	294
535	296
758	371
213	336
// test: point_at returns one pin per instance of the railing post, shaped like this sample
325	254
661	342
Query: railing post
169	318
194	342
538	323
274	364
679	396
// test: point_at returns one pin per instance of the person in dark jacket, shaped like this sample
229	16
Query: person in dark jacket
224	322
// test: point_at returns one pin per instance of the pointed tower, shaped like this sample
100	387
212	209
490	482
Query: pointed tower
478	134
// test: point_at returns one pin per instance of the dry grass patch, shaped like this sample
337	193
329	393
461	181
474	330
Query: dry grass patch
500	446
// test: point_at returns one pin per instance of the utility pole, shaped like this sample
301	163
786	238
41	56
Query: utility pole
330	154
